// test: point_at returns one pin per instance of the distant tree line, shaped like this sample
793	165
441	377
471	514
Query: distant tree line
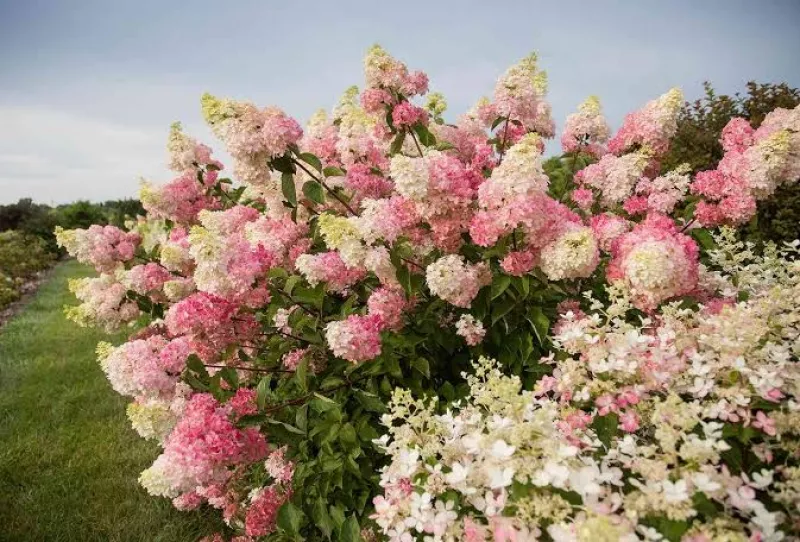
697	144
40	220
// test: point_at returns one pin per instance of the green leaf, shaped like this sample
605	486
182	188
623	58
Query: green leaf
351	531
733	458
704	238
319	513
289	518
422	365
397	143
313	191
448	391
426	138
502	308
337	516
672	530
499	285
404	278
606	427
704	505
331	171
194	363
301	374
320	403
282	163
288	188
311	160
229	375
347	436
539	322
291	282
370	401
497	122
290	428
301	418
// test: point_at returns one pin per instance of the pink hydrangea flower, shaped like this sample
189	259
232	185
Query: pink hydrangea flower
202	448
737	135
518	262
291	360
146	278
328	267
389	304
103	247
607	227
654	261
356	338
406	114
365	183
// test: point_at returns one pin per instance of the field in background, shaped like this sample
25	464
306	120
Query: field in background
68	457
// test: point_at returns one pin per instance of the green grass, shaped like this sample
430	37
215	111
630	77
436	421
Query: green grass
68	457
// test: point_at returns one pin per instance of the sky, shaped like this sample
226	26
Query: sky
88	88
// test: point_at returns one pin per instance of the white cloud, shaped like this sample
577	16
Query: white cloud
56	156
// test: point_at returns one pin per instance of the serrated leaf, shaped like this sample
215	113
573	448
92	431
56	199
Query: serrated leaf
370	401
229	375
332	171
319	513
351	531
704	505
301	418
540	323
347	436
289	518
397	143
672	530
301	374
288	189
194	363
426	138
313	191
404	278
501	308
704	238
311	160
606	427
289	427
291	282
337	516
422	365
282	163
499	285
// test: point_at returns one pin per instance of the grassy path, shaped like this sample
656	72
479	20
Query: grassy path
68	458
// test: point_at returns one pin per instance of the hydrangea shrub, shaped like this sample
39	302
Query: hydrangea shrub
386	326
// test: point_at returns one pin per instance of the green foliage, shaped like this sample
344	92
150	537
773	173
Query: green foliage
21	256
30	218
696	143
40	220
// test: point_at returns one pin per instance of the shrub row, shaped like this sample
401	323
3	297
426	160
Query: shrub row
22	256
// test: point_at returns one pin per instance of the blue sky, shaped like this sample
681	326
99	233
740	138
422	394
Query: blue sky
89	88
